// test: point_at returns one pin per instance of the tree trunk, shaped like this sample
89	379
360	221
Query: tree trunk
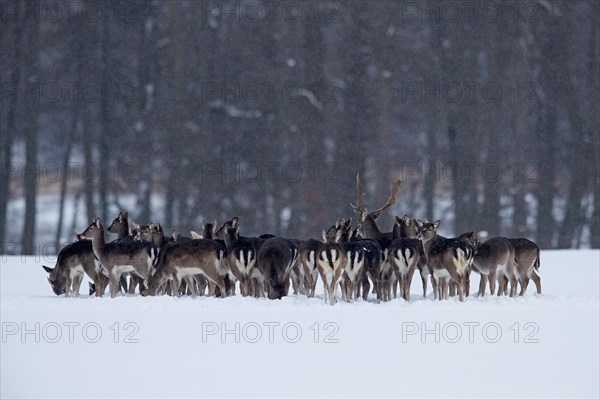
31	145
6	139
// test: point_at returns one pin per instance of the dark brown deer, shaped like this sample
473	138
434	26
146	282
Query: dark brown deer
406	227
73	261
116	258
370	230
404	254
448	259
240	258
275	258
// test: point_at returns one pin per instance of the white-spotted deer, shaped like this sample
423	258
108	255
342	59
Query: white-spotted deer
367	220
116	258
448	259
527	258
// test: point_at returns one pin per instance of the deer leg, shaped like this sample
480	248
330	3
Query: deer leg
115	278
453	288
133	282
424	280
176	285
482	283
68	284
77	284
513	286
524	281
537	280
492	281
189	280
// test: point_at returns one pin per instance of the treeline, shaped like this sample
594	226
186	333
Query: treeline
267	110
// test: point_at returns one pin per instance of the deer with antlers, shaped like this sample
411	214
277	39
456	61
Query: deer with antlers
370	230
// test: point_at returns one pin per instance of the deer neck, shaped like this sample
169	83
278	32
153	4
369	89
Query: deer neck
123	231
98	243
370	228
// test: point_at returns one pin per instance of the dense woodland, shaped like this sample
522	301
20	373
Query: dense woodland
267	110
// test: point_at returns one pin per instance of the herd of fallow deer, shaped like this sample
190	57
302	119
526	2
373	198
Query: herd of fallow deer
356	260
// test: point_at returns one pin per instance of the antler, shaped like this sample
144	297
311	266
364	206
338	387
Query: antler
360	208
390	202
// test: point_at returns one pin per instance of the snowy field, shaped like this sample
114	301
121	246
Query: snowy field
530	347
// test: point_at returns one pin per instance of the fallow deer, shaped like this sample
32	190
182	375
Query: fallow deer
354	274
116	258
187	259
331	260
406	227
404	254
447	259
494	259
527	258
274	259
307	257
73	261
370	230
240	257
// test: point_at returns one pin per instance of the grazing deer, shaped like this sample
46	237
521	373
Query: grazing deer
275	258
188	259
370	230
116	258
527	257
72	262
494	257
448	259
240	257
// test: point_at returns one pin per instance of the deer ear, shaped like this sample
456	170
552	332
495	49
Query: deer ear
419	223
398	219
436	224
126	215
48	269
348	223
324	236
234	222
406	219
98	222
196	235
204	221
338	236
426	221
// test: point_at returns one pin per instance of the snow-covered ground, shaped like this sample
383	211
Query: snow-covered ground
534	346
